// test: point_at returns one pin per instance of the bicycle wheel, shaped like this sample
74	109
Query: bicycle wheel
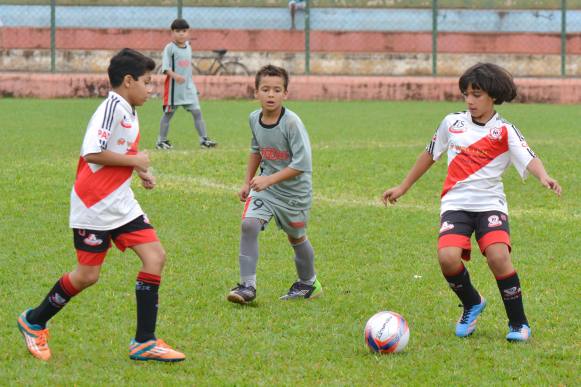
233	68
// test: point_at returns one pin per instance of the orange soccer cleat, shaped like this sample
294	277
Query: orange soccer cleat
35	337
155	349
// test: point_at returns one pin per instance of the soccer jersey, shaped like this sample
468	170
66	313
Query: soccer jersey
478	155
101	198
179	60
284	144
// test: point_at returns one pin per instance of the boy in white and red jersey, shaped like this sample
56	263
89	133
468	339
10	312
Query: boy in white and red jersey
480	146
103	208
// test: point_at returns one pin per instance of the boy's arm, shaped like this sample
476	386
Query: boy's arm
254	160
178	78
139	161
537	168
423	163
260	183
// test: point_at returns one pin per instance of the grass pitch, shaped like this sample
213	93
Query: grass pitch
369	258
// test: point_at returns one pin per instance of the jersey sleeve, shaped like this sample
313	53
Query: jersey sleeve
254	147
439	143
99	129
166	59
520	153
300	146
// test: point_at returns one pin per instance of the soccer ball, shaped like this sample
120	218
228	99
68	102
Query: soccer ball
386	332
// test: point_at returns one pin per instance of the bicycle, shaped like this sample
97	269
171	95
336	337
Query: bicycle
218	66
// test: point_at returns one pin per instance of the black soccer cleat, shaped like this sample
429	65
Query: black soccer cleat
242	294
207	143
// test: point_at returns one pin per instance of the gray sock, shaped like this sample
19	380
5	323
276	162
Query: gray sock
199	123
248	257
305	262
164	126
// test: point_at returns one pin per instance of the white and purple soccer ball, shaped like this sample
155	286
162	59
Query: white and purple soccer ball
386	332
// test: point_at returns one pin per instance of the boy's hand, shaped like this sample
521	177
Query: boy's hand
392	195
260	183
179	79
551	184
147	179
243	193
141	162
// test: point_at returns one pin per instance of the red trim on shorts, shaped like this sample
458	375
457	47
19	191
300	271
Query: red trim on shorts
67	285
149	278
248	200
135	238
91	259
456	240
503	277
490	238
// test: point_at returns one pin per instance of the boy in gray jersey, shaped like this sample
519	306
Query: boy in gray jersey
280	146
178	88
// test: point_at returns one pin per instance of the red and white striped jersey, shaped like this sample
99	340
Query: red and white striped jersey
101	198
478	155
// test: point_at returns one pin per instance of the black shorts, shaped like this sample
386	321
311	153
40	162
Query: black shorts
456	228
92	245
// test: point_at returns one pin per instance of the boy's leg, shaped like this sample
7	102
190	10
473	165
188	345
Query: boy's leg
199	123
456	227
304	259
248	257
164	125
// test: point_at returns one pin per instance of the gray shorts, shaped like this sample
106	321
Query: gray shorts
193	106
262	206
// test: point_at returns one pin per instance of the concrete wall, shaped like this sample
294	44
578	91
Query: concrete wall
302	87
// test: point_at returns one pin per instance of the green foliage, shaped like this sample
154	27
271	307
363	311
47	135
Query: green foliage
369	258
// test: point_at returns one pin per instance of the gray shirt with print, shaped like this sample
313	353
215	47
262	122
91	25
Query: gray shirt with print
284	144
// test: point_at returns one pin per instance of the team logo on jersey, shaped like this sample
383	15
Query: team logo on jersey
92	240
457	127
446	226
274	154
184	63
496	133
126	122
121	141
494	221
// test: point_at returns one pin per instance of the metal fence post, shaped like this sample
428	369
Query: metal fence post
52	36
308	37
563	38
180	8
434	37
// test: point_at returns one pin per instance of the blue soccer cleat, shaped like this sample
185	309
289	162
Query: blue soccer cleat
467	322
518	332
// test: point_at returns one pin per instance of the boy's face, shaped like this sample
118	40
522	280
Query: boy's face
479	103
271	93
180	36
138	90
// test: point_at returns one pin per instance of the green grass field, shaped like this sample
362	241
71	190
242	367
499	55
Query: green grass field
369	258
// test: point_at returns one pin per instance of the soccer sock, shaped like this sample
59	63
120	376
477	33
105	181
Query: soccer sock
146	293
199	123
305	262
54	301
248	257
164	126
510	292
461	285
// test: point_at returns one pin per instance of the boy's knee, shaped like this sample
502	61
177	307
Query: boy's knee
250	226
84	277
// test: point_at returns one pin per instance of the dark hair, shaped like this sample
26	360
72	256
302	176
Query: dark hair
271	71
128	62
493	79
179	24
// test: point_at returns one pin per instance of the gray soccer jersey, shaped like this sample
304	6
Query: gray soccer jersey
179	60
284	144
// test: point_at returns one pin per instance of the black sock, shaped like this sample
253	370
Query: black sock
146	293
461	285
511	296
54	301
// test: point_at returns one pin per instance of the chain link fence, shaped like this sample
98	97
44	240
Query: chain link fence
540	38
